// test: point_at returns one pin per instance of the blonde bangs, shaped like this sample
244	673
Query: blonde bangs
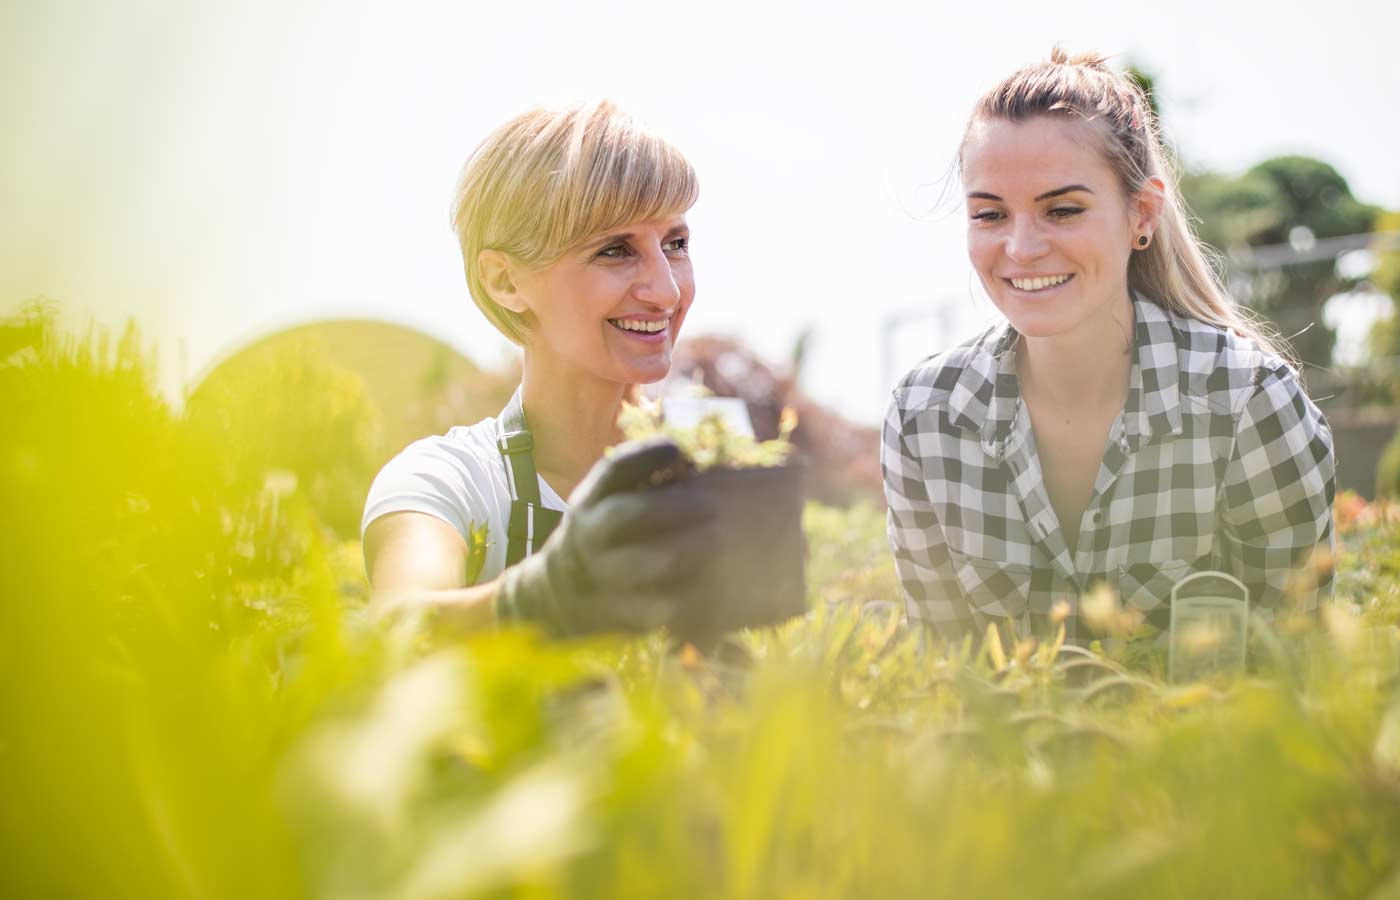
609	170
647	180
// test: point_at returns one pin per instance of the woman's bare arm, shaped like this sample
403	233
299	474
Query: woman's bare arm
419	562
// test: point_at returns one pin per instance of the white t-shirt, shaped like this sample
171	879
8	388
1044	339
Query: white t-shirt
458	477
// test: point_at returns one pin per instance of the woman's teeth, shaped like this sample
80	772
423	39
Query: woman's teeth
1038	284
639	325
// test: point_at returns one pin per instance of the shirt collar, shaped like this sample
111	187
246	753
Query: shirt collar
1154	386
988	402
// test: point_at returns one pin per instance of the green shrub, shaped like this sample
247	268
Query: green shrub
291	410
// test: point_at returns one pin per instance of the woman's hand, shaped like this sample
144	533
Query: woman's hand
626	556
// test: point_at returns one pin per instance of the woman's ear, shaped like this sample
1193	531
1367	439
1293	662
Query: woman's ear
499	276
1148	204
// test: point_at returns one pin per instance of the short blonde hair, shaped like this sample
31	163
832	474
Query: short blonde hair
552	177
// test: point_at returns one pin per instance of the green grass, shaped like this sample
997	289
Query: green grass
194	701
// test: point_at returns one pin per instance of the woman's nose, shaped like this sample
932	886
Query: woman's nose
656	282
1025	240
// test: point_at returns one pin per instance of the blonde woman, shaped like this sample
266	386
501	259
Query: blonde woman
575	244
1128	424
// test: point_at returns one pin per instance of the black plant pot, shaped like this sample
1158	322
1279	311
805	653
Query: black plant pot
761	581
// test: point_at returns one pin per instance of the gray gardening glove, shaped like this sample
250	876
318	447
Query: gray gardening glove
626	554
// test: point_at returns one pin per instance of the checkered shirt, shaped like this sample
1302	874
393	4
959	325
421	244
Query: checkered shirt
1218	461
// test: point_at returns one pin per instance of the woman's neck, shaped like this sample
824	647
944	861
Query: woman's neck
1083	368
572	417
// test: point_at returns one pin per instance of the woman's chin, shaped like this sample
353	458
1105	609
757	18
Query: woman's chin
1036	329
647	371
1035	323
652	375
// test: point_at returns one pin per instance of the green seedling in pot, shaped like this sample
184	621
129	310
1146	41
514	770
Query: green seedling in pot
713	442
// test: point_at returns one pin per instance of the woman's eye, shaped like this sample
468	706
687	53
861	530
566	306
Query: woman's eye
613	251
677	245
1066	212
986	215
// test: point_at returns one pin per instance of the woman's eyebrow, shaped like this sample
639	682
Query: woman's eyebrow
623	237
1067	189
611	238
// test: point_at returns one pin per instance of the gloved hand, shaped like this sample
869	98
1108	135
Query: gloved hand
625	555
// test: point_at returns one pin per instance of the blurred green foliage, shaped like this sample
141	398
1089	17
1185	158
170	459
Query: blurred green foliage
1265	206
194	701
1386	276
411	383
1385	334
1388	470
295	412
1147	81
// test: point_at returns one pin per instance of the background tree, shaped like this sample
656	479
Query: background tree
1148	82
1287	199
1283	200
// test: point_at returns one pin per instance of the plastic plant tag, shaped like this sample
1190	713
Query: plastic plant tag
1209	618
684	411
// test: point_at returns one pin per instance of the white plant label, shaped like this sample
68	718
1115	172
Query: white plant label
682	411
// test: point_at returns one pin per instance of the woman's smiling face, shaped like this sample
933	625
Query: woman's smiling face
612	305
1050	231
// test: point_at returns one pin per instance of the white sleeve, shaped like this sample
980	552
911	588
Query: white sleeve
436	476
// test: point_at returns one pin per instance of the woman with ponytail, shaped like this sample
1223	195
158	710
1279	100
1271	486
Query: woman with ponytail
1129	423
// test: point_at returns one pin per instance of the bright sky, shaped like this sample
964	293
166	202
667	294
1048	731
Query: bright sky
224	169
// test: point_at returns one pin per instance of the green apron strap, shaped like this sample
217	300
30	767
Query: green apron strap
517	449
530	526
530	522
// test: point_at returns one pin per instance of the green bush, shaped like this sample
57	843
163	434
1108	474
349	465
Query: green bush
291	410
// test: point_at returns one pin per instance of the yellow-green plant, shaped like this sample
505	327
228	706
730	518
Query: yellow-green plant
194	703
712	442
